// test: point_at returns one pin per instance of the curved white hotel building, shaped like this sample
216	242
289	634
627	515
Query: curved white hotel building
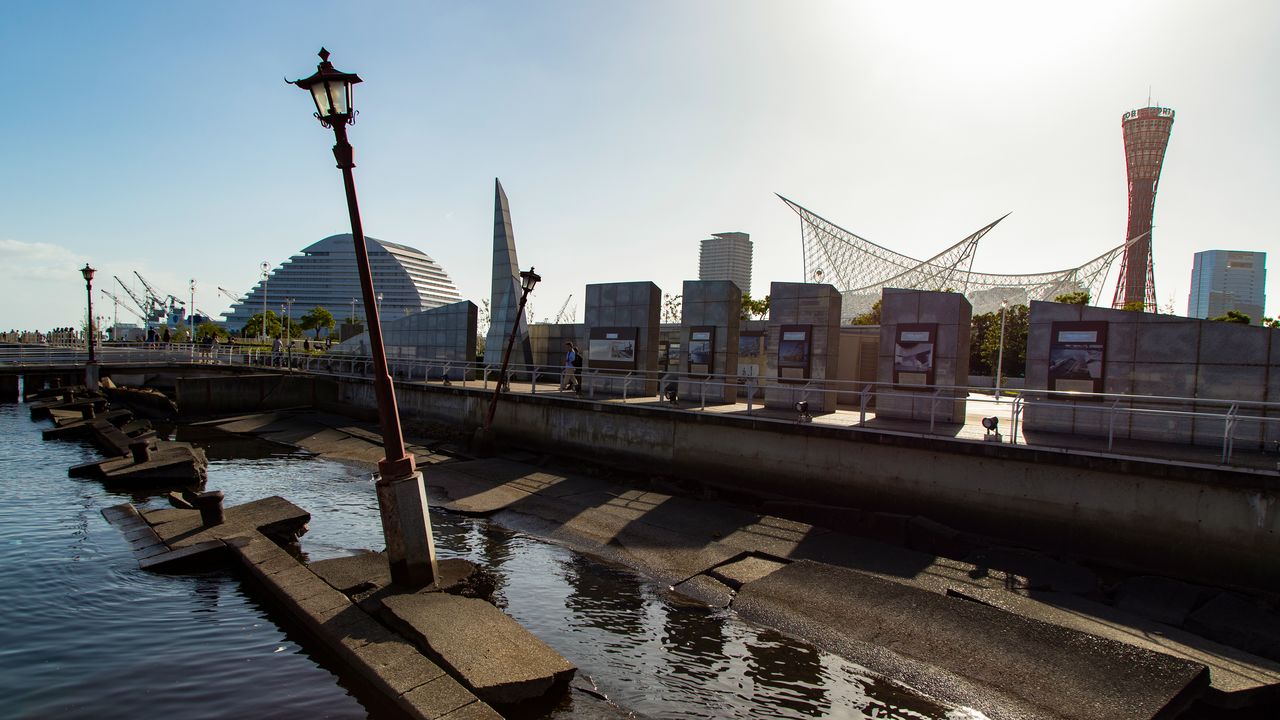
324	274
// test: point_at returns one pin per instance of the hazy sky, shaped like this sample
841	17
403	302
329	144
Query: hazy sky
161	137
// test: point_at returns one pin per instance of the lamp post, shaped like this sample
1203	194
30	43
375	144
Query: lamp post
402	499
1004	305
266	271
287	307
191	317
484	436
91	369
379	304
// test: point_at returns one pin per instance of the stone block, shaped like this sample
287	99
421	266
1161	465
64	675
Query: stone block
1167	342
1164	379
1048	312
1048	417
899	306
1117	377
1122	341
1166	424
1230	343
1231	382
1037	374
496	658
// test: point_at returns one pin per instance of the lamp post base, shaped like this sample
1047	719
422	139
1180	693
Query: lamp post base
482	442
411	551
91	376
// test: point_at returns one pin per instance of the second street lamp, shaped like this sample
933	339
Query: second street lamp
402	498
87	273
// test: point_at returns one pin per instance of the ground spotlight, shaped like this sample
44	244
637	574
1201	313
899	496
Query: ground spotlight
992	424
802	408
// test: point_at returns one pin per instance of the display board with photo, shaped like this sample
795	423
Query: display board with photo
794	347
612	348
1077	356
913	354
702	350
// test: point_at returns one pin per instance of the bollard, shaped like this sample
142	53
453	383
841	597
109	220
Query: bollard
141	450
87	412
210	505
69	396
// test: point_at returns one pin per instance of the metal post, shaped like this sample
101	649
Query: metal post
1000	357
266	267
402	499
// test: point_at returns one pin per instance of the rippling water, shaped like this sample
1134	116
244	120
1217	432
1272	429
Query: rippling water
86	634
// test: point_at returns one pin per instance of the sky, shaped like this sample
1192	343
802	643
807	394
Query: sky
160	137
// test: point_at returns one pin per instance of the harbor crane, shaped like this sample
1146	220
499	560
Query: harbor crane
119	302
145	308
231	297
560	316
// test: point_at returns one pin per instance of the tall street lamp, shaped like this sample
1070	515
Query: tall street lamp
287	307
266	272
1004	305
402	498
484	434
87	272
191	317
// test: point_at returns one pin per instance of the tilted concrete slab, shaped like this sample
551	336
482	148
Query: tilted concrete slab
273	516
496	658
997	662
1236	678
749	569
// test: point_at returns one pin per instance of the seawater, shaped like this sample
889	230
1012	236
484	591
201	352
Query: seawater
85	634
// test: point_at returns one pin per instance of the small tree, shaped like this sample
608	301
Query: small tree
672	308
1080	297
210	329
759	308
1234	316
1016	327
317	318
1135	306
870	317
1273	323
253	328
180	334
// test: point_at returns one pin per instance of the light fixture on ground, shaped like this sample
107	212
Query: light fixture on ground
483	440
91	369
992	424
802	409
402	499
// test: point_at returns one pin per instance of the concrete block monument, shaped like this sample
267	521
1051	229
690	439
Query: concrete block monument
1101	350
804	345
622	339
504	293
436	342
924	344
709	321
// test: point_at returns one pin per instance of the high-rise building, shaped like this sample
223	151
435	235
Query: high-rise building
324	274
1223	280
1146	135
727	256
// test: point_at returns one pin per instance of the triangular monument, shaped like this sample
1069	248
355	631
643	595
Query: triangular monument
504	296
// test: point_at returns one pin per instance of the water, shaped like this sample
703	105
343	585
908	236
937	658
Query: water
86	634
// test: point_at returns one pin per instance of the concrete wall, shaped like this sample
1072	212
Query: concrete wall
624	305
230	394
1212	524
817	306
952	314
548	339
715	304
1161	355
859	362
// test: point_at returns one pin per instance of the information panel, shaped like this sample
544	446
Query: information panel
702	350
914	347
612	348
1077	356
794	349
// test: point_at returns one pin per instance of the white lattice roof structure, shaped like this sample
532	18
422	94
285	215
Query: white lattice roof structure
861	269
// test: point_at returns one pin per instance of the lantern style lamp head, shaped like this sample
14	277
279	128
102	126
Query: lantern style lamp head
331	91
87	272
528	279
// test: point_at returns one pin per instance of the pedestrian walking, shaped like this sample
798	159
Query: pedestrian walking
572	364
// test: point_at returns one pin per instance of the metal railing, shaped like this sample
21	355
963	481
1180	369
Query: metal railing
718	390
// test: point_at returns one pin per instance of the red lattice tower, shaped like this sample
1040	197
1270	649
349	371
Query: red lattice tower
1146	135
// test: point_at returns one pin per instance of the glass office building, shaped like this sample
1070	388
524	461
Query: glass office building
1223	280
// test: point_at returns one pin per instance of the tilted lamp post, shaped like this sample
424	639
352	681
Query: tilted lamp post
402	499
528	279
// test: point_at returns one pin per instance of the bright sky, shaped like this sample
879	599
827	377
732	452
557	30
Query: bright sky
160	136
